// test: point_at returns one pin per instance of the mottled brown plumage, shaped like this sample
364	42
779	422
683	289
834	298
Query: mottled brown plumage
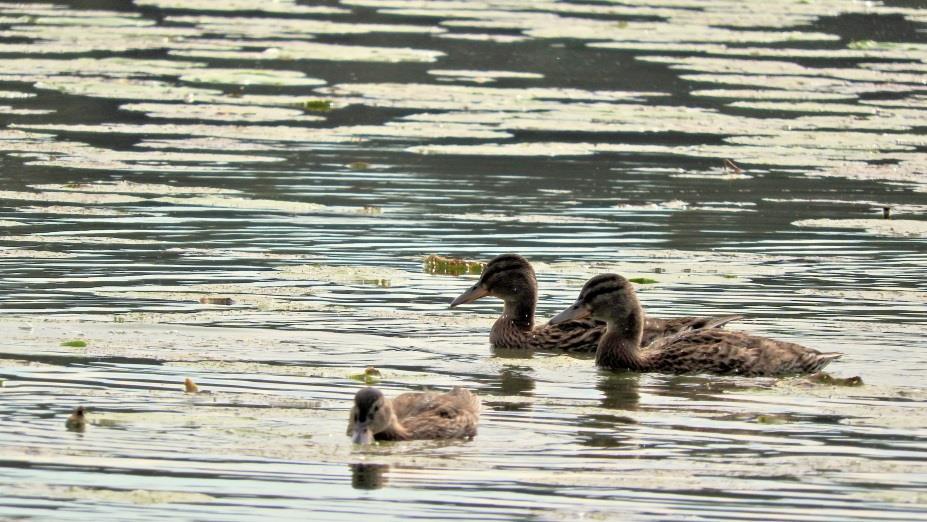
422	415
511	278
611	298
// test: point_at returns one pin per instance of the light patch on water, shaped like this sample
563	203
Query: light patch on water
892	295
881	227
455	97
376	276
73	211
11	95
770	94
226	144
27	253
291	50
262	205
6	109
298	28
839	108
276	6
131	187
275	77
216	112
261	133
117	496
70	197
80	240
478	76
520	218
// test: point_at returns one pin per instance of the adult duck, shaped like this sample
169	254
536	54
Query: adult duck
611	298
510	277
410	416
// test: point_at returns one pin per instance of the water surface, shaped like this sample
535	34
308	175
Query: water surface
303	158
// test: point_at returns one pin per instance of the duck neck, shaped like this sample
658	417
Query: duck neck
619	348
517	321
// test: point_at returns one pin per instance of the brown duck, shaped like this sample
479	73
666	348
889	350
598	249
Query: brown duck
611	298
511	278
423	415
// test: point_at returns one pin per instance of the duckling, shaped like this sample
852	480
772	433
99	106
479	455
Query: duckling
511	278
423	415
77	421
611	298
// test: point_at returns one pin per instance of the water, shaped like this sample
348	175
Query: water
304	166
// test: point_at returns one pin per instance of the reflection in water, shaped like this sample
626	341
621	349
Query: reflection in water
515	380
620	390
368	476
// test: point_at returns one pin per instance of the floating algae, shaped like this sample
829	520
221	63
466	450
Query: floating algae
317	105
642	280
370	376
435	264
75	343
881	227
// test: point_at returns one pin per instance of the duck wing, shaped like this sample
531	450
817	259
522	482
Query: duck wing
726	352
571	336
433	415
655	328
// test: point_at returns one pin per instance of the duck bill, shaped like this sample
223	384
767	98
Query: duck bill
475	292
574	313
362	435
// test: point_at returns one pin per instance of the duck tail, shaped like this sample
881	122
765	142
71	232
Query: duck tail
721	320
823	359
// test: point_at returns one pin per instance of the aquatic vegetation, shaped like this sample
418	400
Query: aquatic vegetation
370	376
435	264
75	343
642	280
317	105
830	380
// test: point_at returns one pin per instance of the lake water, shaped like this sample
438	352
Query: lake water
302	158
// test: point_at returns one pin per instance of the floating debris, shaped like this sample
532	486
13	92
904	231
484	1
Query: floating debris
317	105
75	343
370	376
77	421
224	301
190	386
642	280
732	167
886	212
435	264
358	165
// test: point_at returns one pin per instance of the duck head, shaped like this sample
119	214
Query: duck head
508	277
607	297
370	415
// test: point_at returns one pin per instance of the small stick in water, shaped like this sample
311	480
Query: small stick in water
731	166
886	212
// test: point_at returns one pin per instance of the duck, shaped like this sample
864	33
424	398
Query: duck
413	416
77	421
611	298
511	278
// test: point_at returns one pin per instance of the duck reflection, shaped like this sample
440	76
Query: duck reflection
603	430
620	390
369	476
